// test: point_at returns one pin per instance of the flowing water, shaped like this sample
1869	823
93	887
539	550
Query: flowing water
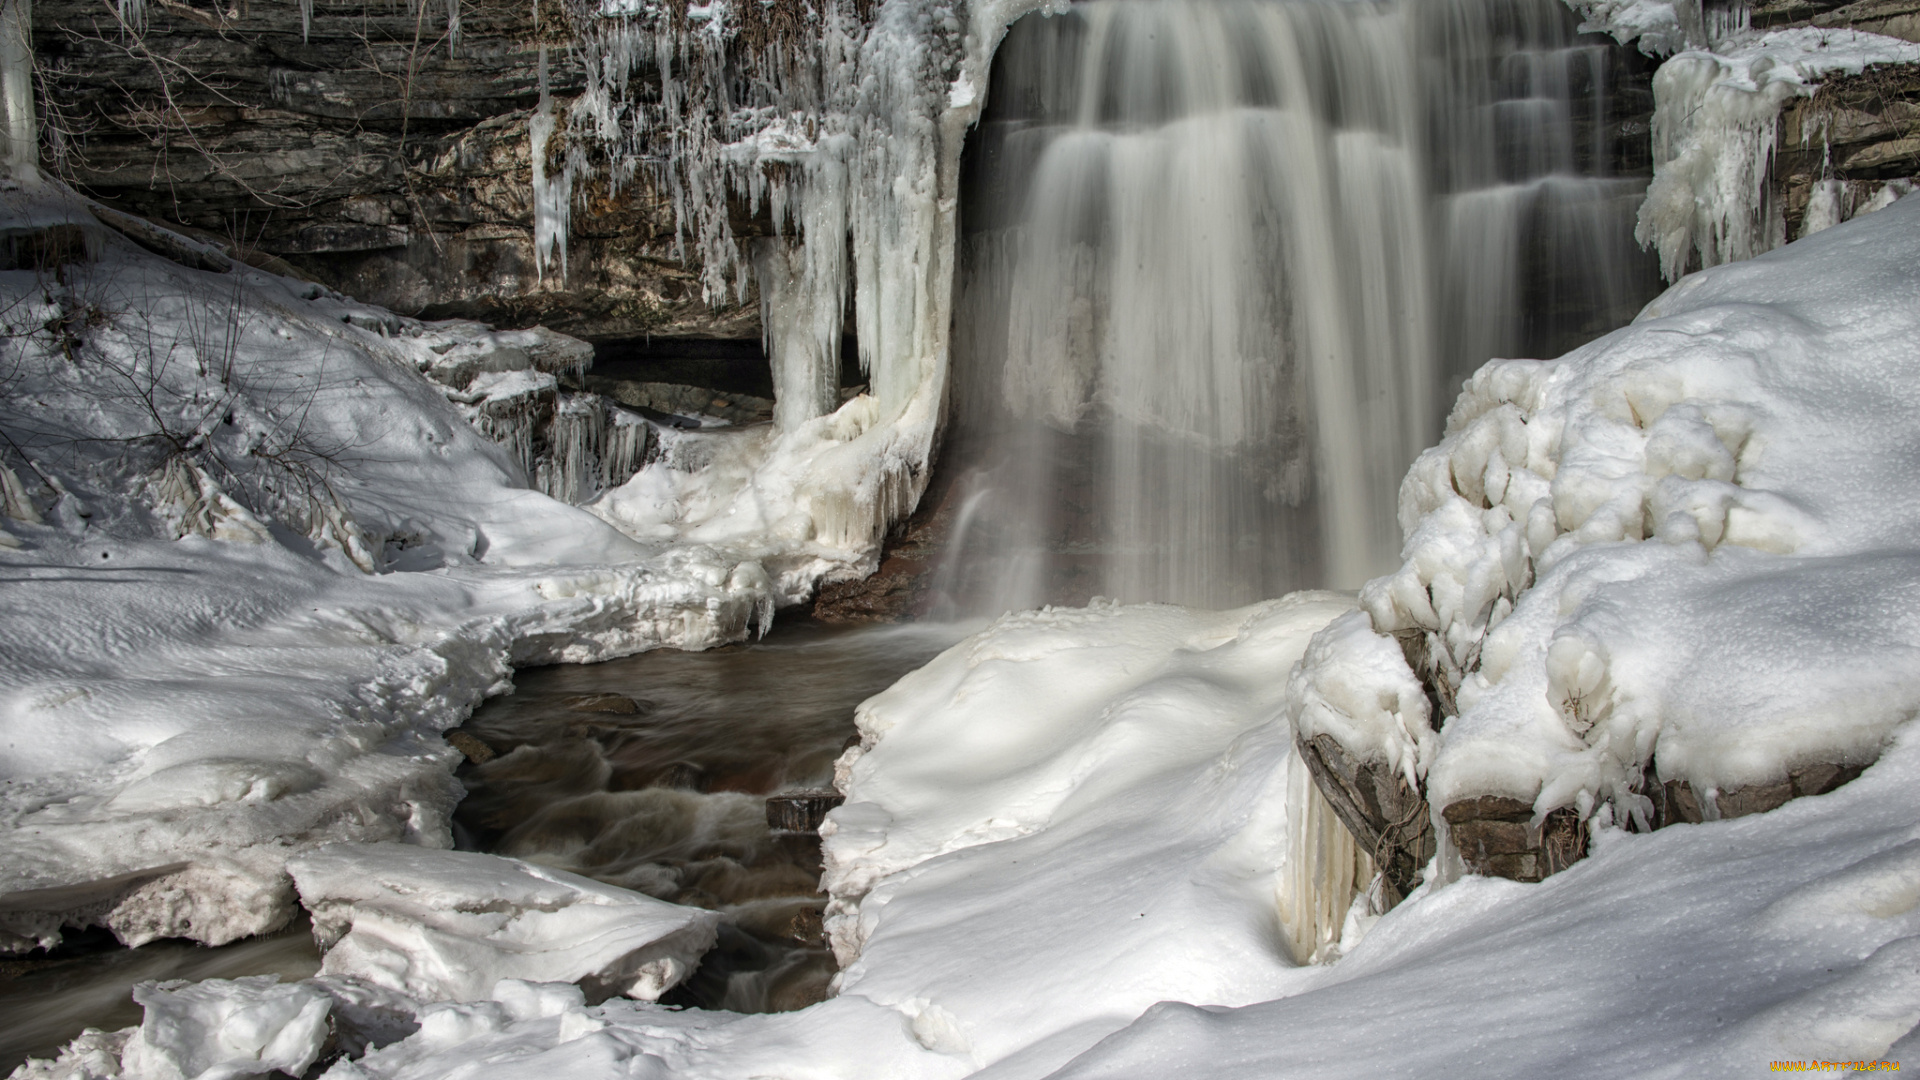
652	773
1226	261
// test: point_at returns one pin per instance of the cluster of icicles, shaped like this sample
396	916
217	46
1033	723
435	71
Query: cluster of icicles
582	447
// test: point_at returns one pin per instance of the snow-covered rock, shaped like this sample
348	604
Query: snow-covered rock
1682	553
449	925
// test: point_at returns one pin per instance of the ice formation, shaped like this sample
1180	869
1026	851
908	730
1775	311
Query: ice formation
449	925
1672	555
1715	123
847	126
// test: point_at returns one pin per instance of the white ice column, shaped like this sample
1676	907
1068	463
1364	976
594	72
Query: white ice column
803	289
16	88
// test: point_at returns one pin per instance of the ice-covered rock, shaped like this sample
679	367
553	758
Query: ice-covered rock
1715	122
449	925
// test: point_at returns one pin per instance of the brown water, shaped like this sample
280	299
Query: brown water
652	773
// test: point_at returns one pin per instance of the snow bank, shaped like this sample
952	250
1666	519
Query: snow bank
448	925
1698	950
1654	24
1683	552
1715	121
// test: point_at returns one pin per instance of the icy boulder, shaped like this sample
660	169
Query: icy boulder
449	925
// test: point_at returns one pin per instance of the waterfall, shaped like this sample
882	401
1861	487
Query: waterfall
1225	260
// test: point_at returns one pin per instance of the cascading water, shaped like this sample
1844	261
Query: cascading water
1225	261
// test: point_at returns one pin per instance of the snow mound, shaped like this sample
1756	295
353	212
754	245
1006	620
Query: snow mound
449	925
1697	950
1683	552
1122	778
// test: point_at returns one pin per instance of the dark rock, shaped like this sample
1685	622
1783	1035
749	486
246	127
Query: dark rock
604	703
476	751
367	153
1860	130
1495	836
667	402
1388	818
46	249
1676	801
801	811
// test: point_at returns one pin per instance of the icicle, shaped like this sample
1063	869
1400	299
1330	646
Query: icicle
1324	875
576	440
306	18
16	87
13	498
629	443
192	504
453	28
552	198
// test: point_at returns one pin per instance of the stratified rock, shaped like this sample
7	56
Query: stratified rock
801	811
1374	802
1676	801
364	150
1495	836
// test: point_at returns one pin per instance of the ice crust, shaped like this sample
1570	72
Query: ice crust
449	925
1683	551
221	1029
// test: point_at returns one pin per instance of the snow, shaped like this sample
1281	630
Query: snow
221	1030
1075	844
1653	24
1682	551
1698	950
1715	123
259	558
449	925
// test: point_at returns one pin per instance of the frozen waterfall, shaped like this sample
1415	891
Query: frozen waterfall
1225	260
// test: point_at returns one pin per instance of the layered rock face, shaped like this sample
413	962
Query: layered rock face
370	148
1856	133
